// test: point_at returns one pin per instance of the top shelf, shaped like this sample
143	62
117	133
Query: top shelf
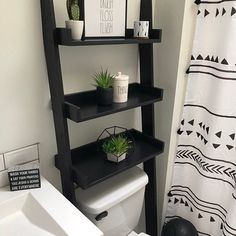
63	37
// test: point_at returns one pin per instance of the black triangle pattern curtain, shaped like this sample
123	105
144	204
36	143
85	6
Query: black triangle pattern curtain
204	181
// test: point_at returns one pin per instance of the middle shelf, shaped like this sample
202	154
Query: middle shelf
82	106
89	164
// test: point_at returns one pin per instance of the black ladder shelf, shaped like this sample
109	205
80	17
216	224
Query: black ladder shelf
86	166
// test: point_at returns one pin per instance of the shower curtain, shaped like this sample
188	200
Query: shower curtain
204	181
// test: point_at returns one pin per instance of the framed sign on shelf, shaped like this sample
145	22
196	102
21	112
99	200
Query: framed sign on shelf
104	18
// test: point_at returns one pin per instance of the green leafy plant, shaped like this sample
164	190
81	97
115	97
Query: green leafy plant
103	79
73	9
117	145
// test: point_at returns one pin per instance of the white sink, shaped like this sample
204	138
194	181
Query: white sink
25	214
41	212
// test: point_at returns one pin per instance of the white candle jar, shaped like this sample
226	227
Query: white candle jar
141	29
120	86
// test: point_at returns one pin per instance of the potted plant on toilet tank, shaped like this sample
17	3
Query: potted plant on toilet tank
104	84
74	23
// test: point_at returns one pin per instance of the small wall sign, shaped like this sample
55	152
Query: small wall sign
104	18
24	177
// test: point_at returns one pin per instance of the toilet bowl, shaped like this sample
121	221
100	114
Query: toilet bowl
115	204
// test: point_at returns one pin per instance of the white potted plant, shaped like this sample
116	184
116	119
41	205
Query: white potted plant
74	23
116	148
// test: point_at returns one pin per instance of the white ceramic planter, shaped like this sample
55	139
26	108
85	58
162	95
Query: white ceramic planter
141	29
114	158
120	86
76	27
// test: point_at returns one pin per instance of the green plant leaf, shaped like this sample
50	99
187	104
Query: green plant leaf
103	79
73	9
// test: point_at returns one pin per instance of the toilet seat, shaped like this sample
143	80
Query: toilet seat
135	234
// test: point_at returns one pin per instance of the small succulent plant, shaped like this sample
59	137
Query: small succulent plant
116	145
73	9
103	79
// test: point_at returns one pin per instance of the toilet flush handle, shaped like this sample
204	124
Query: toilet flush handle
101	216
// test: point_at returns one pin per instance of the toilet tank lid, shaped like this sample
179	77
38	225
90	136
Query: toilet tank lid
110	192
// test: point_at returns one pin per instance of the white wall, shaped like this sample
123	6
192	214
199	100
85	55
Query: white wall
24	98
177	19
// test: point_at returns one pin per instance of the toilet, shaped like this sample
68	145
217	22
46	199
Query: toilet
115	204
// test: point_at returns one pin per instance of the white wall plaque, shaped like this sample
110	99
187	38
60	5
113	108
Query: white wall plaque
105	18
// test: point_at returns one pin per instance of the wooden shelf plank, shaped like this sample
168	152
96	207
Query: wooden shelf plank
63	37
89	164
82	106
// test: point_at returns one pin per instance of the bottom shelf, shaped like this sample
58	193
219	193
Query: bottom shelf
89	165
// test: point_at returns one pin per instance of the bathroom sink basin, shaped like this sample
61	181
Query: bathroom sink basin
41	212
24	214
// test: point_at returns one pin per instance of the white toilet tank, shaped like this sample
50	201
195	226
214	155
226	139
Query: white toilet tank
115	205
